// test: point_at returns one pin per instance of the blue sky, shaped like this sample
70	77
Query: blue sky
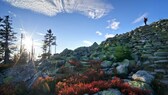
80	22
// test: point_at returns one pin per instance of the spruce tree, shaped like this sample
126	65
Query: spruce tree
47	42
7	37
1	43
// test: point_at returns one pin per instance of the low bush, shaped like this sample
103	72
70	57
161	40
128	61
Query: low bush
121	53
96	86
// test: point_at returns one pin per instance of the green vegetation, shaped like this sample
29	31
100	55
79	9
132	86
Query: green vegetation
8	80
121	53
139	84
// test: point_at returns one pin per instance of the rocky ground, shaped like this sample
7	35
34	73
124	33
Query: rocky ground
139	57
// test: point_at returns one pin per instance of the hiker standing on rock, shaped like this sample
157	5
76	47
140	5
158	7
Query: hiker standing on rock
145	20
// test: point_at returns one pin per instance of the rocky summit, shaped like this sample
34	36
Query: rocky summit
133	63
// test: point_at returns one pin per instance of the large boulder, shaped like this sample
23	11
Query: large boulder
122	69
161	62
126	62
106	64
161	54
60	63
81	51
109	71
109	92
144	76
43	65
141	85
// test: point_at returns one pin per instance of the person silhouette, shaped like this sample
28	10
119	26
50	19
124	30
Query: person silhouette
145	20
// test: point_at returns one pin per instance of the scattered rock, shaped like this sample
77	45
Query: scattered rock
161	54
141	85
106	64
60	63
109	92
163	71
122	69
143	76
161	62
125	62
146	62
109	71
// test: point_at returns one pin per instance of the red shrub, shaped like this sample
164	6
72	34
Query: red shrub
96	86
95	64
88	76
74	62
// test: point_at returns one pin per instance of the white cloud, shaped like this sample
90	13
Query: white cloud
12	13
38	43
41	34
113	24
109	35
88	43
22	30
140	18
98	33
92	8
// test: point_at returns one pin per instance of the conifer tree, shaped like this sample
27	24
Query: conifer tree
7	37
1	43
47	42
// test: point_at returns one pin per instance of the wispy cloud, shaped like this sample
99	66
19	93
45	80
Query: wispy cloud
37	42
22	30
140	18
12	13
98	33
92	8
88	43
113	24
109	35
41	34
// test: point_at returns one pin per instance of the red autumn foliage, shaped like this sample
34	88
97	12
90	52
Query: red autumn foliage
41	80
88	76
94	61
74	62
96	86
95	64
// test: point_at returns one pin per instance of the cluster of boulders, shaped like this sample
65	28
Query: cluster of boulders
149	51
81	53
108	92
141	79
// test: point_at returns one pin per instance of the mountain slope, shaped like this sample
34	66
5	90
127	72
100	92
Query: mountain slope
141	54
143	41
